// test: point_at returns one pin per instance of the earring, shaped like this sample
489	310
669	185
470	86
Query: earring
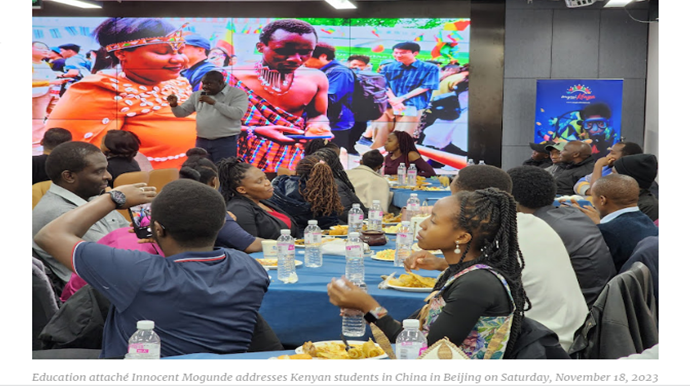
457	247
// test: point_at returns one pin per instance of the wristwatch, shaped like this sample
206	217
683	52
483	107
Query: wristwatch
118	198
374	315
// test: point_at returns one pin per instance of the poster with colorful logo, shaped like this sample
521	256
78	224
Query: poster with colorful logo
585	110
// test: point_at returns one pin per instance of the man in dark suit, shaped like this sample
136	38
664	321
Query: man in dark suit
619	218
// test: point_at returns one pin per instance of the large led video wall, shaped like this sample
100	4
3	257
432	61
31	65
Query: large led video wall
91	75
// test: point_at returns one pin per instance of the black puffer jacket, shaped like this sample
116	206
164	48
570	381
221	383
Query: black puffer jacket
347	198
286	196
571	173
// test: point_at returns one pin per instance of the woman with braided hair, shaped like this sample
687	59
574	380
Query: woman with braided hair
310	194
246	191
478	302
346	191
402	150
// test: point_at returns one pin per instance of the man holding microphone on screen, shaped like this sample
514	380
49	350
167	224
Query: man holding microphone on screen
219	109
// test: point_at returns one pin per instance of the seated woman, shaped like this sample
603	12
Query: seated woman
346	191
246	191
310	148
231	235
310	194
120	147
401	149
479	301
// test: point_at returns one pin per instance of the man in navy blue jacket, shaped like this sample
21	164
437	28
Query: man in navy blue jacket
620	220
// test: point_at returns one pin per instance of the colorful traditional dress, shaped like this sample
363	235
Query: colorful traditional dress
110	101
259	151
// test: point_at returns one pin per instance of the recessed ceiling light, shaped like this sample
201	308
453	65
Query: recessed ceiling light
617	3
80	3
341	4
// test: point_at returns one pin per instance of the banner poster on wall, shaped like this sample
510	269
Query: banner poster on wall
95	75
585	110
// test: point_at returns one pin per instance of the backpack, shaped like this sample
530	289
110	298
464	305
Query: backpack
369	100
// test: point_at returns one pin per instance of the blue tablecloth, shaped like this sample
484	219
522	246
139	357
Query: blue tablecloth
301	311
248	355
400	196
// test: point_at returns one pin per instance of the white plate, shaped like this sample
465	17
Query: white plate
415	247
374	257
409	289
297	264
299	350
323	240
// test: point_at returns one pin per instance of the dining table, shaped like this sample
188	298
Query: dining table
402	194
300	312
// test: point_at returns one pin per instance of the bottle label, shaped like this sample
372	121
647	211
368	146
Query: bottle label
356	218
312	238
353	248
375	214
150	349
410	350
413	207
401	238
286	249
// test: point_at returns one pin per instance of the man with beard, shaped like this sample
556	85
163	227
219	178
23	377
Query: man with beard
280	93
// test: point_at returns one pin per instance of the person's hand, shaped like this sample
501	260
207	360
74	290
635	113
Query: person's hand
277	133
318	129
396	101
140	241
424	260
232	215
172	100
207	99
137	194
589	210
58	81
350	297
605	161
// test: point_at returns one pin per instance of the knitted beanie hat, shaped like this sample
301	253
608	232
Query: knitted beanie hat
642	167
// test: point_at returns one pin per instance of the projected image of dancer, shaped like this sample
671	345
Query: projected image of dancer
285	98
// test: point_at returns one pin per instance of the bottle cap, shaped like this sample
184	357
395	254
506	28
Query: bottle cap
312	222
411	323
145	325
353	234
376	202
413	195
355	205
285	232
405	223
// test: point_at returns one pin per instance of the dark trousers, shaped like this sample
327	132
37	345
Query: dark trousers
219	148
341	137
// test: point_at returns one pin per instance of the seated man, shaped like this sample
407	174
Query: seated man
577	162
620	220
604	166
51	139
554	150
202	299
535	189
548	277
369	184
643	168
79	172
540	156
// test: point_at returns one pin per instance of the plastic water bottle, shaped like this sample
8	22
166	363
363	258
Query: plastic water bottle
412	175
353	320
312	244
354	259
375	216
355	219
402	173
413	206
145	343
481	162
470	162
286	257
403	244
410	343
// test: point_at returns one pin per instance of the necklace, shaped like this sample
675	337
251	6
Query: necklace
273	81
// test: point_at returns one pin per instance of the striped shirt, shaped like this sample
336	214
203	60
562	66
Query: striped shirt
402	79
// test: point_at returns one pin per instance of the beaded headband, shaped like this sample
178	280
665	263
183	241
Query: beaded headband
175	39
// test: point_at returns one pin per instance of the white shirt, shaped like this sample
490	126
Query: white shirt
613	215
370	186
549	279
219	120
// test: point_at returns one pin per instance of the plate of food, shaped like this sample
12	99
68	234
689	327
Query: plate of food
299	243
392	230
389	218
273	263
385	255
337	231
335	349
415	247
410	282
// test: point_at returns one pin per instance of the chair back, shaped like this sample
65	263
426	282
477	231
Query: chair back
131	178
161	177
44	303
38	190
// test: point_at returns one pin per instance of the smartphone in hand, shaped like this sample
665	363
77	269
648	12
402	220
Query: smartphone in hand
141	220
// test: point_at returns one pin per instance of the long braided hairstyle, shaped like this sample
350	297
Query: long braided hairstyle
333	161
320	189
231	172
317	144
406	145
490	216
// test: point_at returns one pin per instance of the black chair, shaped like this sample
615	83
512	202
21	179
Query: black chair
264	339
66	353
44	304
537	341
